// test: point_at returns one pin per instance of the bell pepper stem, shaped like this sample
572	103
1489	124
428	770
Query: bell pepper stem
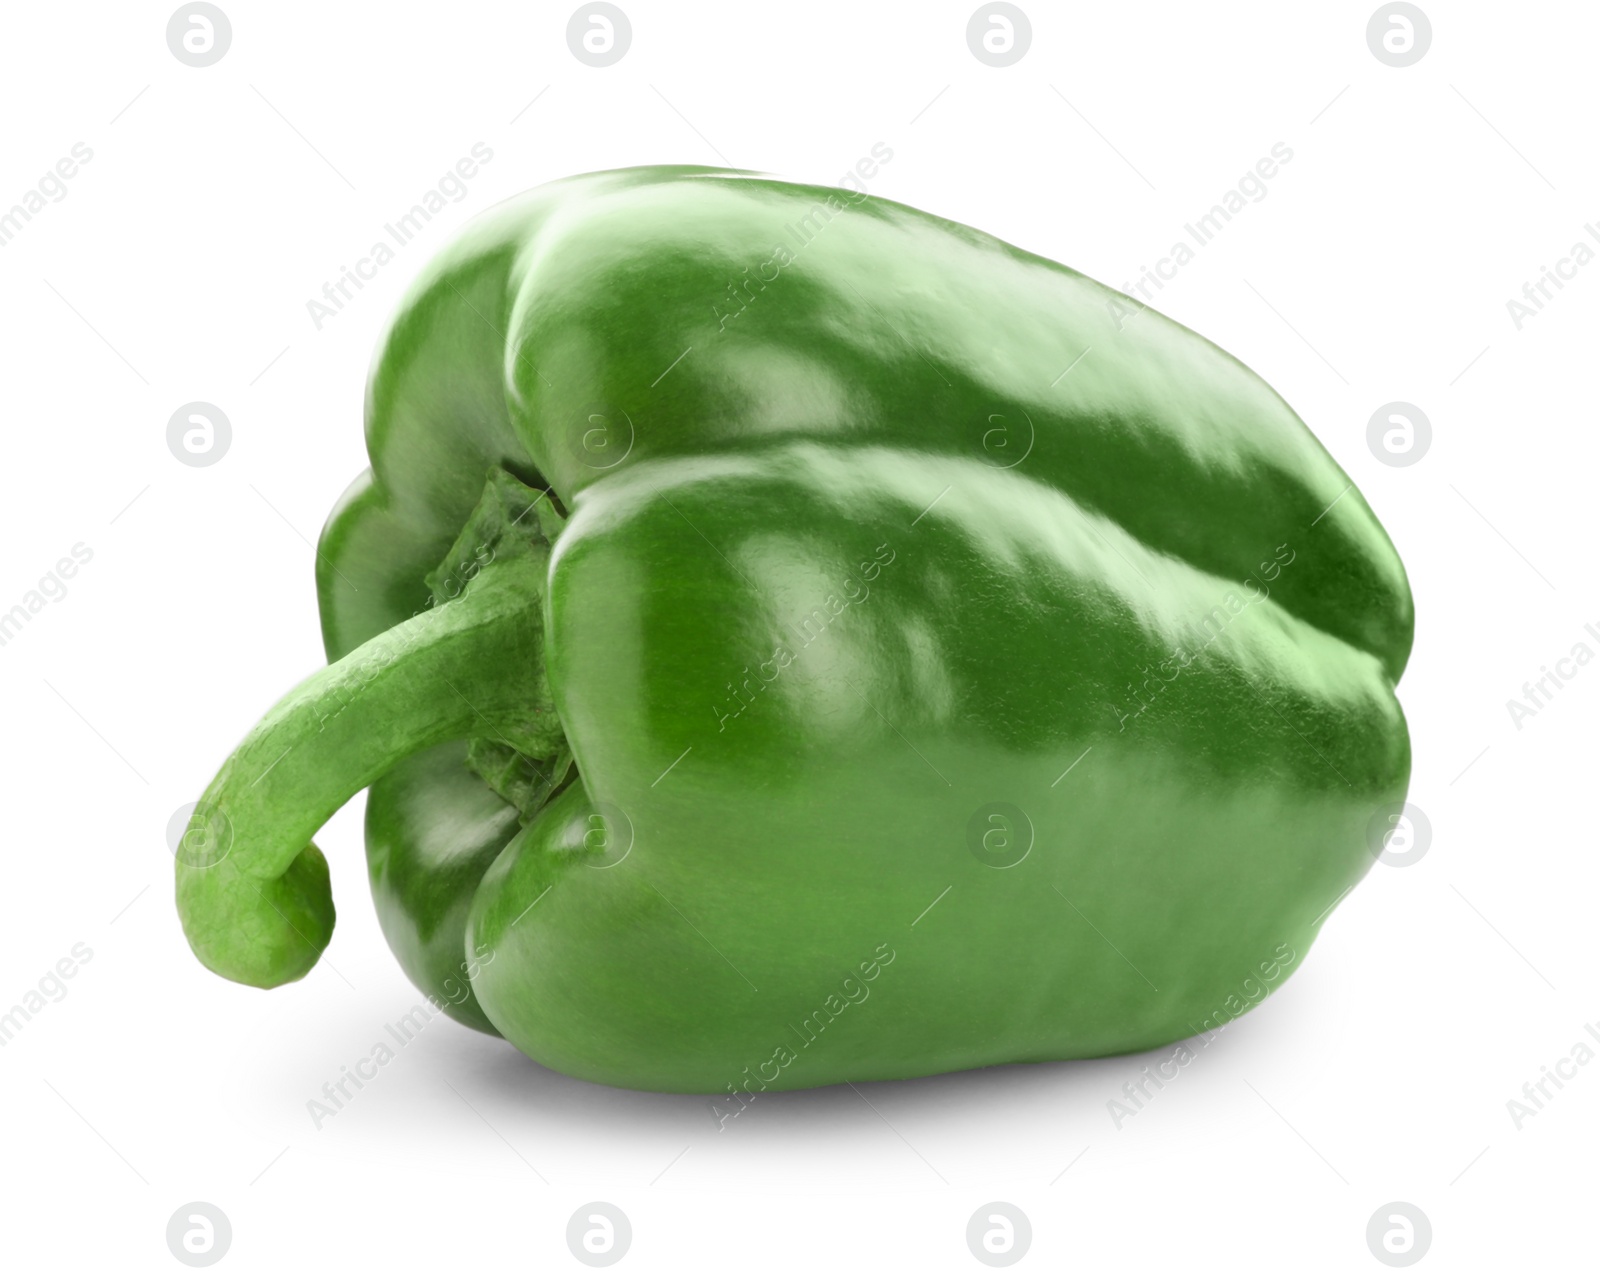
253	889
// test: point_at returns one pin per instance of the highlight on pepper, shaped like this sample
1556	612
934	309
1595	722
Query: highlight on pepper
789	638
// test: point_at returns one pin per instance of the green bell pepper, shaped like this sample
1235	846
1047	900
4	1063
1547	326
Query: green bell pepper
789	638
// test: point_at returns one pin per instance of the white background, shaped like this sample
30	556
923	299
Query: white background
1378	268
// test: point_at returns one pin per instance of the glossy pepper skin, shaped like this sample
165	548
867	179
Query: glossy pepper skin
919	660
